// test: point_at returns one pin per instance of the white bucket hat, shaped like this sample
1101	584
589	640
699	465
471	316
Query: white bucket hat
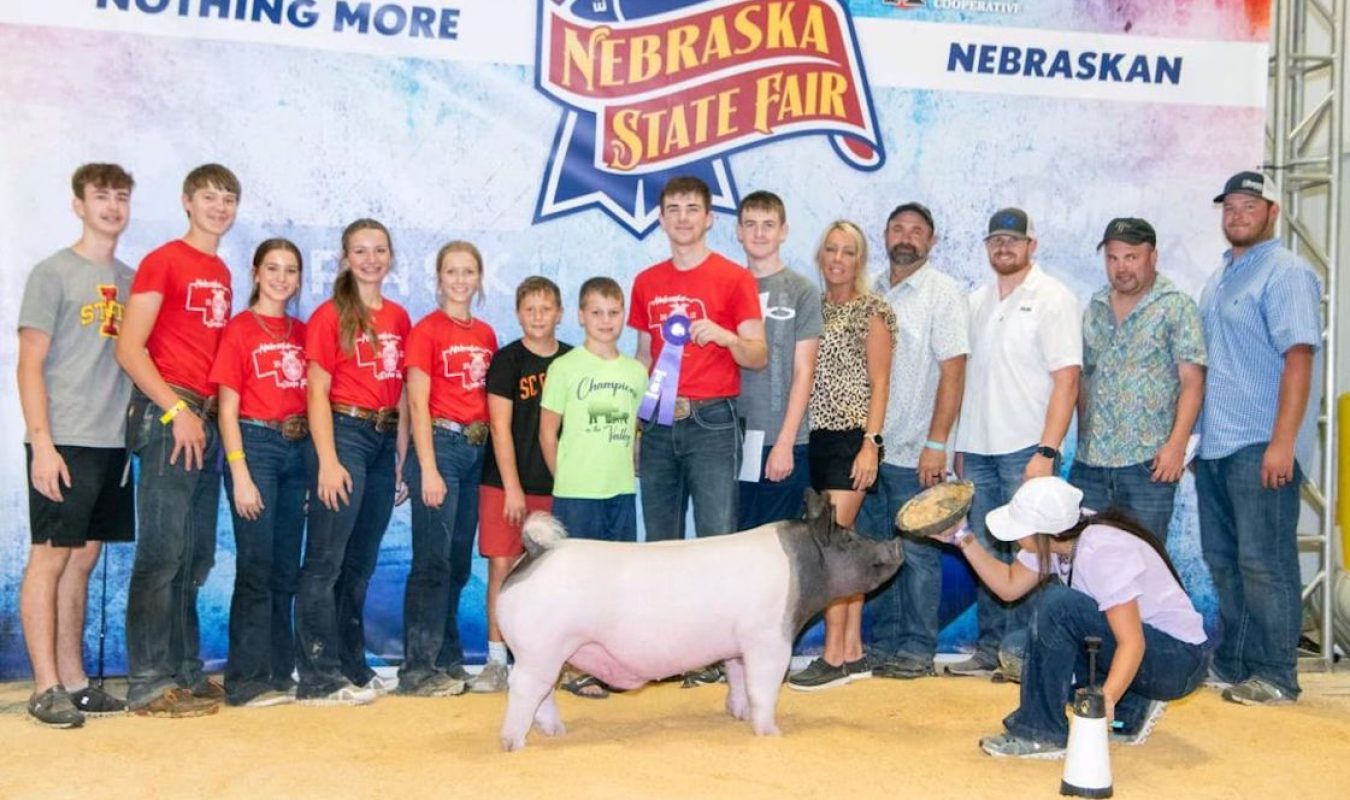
1041	505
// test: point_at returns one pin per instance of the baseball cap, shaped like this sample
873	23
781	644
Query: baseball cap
913	208
1253	183
1011	221
1041	505
1130	230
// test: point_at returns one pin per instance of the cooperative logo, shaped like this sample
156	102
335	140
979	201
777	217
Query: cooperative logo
651	89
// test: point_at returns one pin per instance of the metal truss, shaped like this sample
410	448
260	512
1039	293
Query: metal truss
1304	149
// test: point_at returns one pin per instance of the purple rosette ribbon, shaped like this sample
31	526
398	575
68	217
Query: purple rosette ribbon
665	378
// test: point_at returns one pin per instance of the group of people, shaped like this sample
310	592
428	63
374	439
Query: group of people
748	386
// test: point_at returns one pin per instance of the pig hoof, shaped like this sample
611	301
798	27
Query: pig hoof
767	730
739	711
513	743
554	728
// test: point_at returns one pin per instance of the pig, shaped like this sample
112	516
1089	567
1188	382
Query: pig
633	613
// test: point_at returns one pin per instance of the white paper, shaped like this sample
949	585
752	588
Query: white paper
752	452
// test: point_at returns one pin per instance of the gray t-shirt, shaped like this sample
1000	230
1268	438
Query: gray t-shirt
791	306
79	304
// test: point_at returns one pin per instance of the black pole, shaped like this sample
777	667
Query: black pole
103	615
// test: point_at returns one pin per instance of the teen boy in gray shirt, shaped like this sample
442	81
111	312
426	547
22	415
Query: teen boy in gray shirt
773	400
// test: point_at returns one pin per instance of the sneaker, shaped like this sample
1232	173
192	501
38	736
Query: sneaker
269	698
458	672
209	689
54	709
1213	680
348	695
977	666
1151	717
380	684
491	679
1257	692
703	677
174	703
904	669
859	670
439	684
94	702
819	674
1006	745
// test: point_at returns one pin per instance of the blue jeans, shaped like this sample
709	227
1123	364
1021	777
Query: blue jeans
698	457
612	519
1130	489
1250	543
766	501
175	550
996	479
903	610
442	554
341	548
267	564
1057	661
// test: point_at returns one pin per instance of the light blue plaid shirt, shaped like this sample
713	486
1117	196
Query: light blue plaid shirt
1254	309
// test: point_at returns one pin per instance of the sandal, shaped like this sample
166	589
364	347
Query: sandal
587	686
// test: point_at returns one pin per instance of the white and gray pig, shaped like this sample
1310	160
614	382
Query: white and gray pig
633	613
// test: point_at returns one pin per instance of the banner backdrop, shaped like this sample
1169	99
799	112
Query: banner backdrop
542	131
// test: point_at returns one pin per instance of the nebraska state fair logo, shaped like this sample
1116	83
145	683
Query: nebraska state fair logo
657	88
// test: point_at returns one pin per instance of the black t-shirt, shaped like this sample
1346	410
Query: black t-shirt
518	374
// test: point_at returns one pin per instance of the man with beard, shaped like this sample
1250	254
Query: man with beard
930	361
1143	380
1021	386
1262	325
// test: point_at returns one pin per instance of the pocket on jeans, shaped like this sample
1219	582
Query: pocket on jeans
140	416
719	416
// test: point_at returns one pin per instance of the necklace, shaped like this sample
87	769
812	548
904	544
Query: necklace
285	336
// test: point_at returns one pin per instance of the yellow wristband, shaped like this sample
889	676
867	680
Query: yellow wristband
237	455
174	410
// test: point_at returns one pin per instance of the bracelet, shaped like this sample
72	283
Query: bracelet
939	447
233	456
174	410
961	537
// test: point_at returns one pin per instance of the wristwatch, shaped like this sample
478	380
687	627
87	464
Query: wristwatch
1049	452
874	438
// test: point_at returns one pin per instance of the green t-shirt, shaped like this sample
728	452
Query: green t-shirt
598	399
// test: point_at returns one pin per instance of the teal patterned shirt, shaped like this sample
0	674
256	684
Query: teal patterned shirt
1130	381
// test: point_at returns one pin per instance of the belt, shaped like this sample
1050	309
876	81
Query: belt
382	418
292	429
685	406
475	432
201	406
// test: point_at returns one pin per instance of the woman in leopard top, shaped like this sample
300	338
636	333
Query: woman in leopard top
848	406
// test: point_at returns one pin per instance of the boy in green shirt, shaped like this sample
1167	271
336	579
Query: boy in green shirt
592	393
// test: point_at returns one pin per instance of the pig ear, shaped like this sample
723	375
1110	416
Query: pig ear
816	505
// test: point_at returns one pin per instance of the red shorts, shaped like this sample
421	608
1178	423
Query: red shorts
496	536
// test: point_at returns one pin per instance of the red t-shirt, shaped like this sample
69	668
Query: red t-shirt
371	376
196	293
264	365
717	289
456	356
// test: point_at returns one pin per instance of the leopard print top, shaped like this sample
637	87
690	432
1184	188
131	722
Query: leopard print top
842	388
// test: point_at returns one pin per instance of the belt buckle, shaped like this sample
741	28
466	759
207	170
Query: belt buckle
294	428
385	419
476	433
683	408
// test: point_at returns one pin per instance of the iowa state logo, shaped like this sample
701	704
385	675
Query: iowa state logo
652	89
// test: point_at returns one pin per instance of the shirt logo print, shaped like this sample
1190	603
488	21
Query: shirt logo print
468	363
107	312
281	362
385	365
212	300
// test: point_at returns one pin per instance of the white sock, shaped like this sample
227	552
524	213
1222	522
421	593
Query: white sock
496	652
80	688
